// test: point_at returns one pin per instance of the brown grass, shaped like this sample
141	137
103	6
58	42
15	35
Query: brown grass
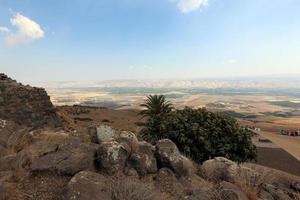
129	189
250	181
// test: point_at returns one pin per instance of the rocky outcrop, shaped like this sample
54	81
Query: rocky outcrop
26	105
87	186
169	156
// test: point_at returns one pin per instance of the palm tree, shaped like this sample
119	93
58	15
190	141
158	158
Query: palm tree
156	109
156	106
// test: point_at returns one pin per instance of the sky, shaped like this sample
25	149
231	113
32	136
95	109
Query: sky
88	40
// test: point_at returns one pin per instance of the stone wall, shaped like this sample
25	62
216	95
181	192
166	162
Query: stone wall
26	105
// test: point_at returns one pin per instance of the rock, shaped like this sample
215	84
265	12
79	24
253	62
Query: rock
65	159
219	169
295	185
111	156
127	137
87	186
7	162
271	192
230	191
142	159
92	132
131	172
29	106
168	155
105	134
2	150
5	179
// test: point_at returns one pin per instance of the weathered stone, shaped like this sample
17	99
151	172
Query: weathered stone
295	185
87	186
26	105
131	172
66	159
105	134
5	179
92	132
169	156
220	169
271	192
142	159
7	162
111	156
128	137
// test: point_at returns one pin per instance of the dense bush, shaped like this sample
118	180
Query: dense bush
203	135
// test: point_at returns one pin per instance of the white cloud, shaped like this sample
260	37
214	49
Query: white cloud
186	6
27	31
4	29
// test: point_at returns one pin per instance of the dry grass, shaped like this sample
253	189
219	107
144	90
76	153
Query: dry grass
129	189
251	181
51	137
18	141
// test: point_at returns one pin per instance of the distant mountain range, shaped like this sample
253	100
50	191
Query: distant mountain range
242	83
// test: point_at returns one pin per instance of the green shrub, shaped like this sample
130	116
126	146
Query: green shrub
202	135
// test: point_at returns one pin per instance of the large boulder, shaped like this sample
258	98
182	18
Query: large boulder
169	156
67	159
87	186
220	169
142	158
111	156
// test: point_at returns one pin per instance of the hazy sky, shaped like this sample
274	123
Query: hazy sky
62	40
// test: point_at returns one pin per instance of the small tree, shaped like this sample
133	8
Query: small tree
156	109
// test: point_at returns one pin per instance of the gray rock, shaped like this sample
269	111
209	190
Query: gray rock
105	134
295	185
128	137
111	156
271	192
87	186
92	132
168	155
131	172
219	169
142	159
7	162
66	159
